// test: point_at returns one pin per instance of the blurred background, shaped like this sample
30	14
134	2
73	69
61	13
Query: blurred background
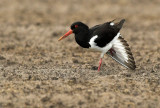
59	12
38	71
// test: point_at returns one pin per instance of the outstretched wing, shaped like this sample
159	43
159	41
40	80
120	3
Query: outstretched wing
121	53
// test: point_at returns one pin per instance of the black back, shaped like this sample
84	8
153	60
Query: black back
106	32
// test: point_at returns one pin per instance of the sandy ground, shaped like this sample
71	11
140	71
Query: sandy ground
38	71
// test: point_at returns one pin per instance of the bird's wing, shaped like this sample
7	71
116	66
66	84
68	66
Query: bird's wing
106	32
122	53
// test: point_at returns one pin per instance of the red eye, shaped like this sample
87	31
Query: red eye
76	26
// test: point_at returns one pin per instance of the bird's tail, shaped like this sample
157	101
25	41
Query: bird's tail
121	53
119	24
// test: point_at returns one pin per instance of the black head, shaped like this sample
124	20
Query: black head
76	28
79	27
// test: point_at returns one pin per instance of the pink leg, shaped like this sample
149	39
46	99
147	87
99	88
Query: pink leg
100	62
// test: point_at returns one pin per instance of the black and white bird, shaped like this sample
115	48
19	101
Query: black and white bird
105	38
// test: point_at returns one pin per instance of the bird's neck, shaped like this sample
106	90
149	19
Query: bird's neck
82	38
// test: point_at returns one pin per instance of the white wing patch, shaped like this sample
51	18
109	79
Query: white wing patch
122	53
120	50
111	24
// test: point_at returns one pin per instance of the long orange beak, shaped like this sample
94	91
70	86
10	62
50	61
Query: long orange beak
65	35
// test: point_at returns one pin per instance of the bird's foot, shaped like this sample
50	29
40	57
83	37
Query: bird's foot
100	62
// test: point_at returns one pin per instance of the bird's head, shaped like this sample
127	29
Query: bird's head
76	28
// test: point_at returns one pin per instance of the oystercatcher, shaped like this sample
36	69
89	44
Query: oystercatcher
105	38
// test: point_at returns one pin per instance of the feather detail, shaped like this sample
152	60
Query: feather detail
122	53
